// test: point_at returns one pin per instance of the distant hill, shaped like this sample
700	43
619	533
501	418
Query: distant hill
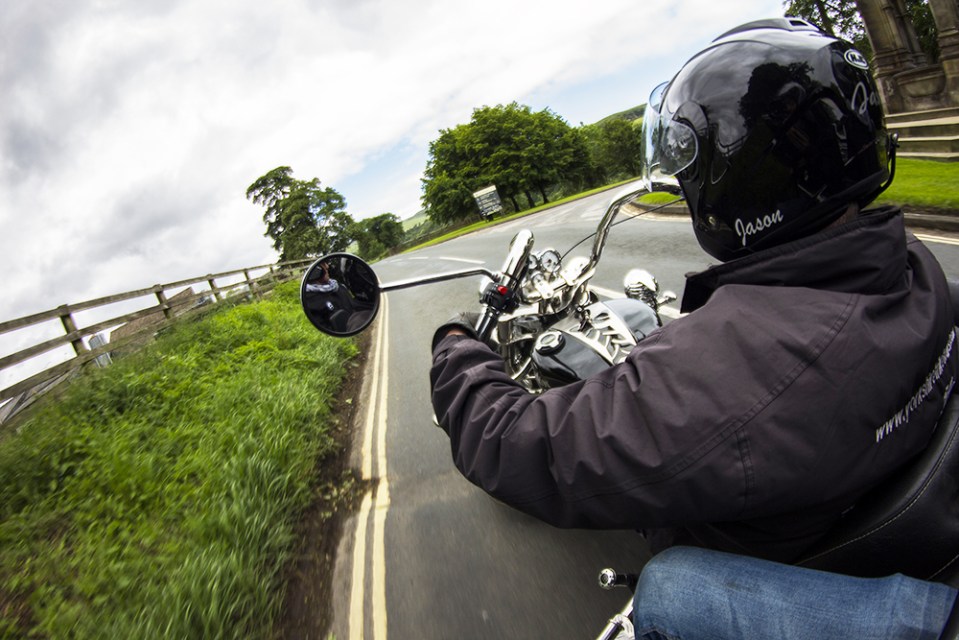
416	219
635	113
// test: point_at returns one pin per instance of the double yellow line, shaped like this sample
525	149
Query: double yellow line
375	503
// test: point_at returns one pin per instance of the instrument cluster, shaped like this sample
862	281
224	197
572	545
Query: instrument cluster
542	271
548	262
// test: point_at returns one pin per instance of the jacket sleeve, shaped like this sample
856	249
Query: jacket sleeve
599	453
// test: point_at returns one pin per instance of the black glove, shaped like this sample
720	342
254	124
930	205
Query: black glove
466	321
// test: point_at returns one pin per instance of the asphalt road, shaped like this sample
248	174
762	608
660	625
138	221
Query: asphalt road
429	555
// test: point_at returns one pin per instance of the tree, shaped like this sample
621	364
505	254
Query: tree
615	145
447	198
377	235
921	14
555	153
519	151
270	189
841	18
304	219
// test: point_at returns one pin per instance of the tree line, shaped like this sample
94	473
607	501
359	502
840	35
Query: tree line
529	156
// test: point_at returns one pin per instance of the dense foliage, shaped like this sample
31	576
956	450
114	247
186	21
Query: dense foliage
615	146
157	497
304	219
841	18
520	151
377	235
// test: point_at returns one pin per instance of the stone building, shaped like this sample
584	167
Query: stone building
921	98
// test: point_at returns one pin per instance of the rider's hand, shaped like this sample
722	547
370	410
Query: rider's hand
461	324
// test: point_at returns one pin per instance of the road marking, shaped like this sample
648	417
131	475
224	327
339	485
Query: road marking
375	502
463	260
359	568
466	260
940	239
381	500
366	455
669	312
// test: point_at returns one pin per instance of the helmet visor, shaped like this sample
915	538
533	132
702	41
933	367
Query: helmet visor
669	146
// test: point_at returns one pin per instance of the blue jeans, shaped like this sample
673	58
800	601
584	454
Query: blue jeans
688	593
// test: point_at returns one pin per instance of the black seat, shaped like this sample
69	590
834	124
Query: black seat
910	523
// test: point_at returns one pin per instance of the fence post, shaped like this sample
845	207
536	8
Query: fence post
253	290
216	292
161	297
70	327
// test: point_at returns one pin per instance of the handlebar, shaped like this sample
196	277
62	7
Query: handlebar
602	231
517	261
442	277
502	297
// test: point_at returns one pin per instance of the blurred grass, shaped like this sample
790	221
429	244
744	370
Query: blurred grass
157	497
924	183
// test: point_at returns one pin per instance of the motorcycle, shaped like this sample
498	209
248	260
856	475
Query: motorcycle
539	312
551	328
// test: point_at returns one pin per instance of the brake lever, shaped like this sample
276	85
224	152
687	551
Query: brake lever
501	296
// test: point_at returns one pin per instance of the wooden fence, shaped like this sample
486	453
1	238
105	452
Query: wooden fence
140	324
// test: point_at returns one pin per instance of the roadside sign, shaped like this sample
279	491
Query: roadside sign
488	202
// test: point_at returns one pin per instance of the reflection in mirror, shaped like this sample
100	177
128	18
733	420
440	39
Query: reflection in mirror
340	294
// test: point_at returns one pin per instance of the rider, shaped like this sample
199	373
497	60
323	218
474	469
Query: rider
812	363
326	301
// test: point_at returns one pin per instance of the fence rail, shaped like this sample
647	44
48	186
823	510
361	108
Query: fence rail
138	324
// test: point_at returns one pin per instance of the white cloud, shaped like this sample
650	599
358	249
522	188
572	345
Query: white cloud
130	132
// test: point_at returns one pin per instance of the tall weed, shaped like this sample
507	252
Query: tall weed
156	498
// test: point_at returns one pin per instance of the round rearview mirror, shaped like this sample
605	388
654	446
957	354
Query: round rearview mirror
340	294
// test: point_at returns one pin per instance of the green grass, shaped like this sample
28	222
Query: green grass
924	183
158	497
657	197
918	183
483	223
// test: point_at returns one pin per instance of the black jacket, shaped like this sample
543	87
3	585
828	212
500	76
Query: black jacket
801	377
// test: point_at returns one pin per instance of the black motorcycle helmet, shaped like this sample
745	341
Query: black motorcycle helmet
771	132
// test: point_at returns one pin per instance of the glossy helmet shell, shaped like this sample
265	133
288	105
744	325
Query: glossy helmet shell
790	132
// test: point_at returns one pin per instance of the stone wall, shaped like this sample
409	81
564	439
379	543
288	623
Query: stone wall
908	80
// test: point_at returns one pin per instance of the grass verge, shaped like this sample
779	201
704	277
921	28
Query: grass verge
461	231
160	497
925	184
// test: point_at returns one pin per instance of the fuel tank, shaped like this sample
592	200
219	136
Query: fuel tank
601	336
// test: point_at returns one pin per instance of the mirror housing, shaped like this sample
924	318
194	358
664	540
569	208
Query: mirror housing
340	294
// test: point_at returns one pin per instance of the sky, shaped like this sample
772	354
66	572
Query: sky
130	130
